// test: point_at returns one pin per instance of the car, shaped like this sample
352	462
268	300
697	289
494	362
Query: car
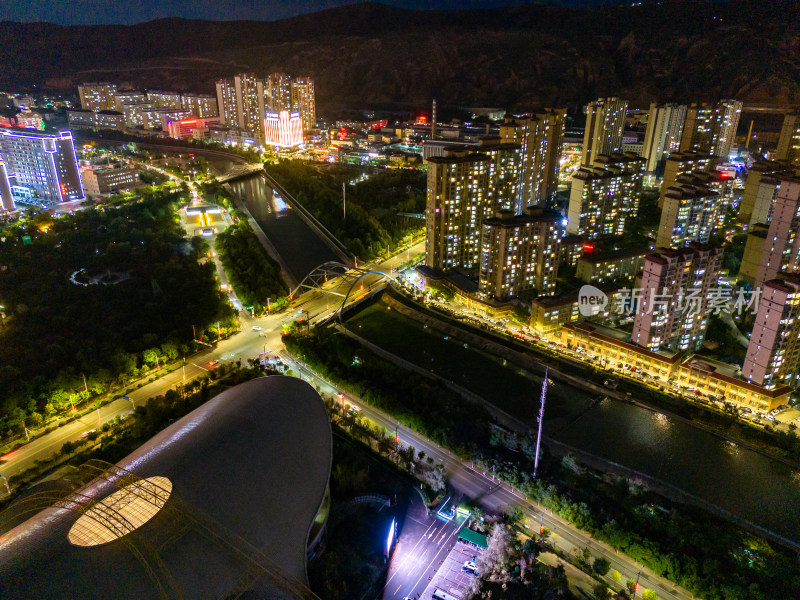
256	328
340	395
213	363
86	433
471	571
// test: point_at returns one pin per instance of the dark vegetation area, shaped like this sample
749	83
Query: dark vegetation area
371	225
704	554
139	291
254	275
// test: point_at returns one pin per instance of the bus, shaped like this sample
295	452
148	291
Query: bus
440	595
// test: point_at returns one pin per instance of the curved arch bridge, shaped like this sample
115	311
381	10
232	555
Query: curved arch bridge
337	279
331	277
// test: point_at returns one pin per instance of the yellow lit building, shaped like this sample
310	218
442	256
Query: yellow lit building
705	377
519	254
789	141
98	96
303	101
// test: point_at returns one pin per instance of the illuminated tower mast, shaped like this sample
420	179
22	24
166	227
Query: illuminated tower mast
433	121
541	419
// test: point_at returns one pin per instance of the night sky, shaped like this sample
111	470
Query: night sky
93	12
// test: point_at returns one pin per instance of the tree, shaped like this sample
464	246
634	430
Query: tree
529	548
649	595
615	576
601	591
601	566
150	356
631	585
497	555
516	515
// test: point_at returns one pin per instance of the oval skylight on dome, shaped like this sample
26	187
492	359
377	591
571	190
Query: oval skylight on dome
121	513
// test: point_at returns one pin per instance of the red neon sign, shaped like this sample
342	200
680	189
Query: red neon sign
588	248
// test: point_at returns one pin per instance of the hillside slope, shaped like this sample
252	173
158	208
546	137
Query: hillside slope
375	55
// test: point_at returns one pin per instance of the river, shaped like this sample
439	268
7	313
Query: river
300	247
746	483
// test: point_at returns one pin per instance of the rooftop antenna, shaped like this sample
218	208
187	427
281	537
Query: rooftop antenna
541	419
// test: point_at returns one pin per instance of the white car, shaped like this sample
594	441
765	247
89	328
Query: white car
256	328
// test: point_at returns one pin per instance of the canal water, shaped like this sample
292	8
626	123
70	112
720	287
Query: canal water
300	247
748	484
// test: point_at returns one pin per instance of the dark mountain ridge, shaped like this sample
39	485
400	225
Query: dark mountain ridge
375	55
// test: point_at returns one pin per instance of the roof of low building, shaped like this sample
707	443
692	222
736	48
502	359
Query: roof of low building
245	475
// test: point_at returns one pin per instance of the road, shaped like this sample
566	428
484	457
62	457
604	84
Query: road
249	343
493	497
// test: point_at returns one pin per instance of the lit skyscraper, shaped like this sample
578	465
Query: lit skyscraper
789	141
455	209
539	136
782	246
663	133
711	128
605	122
519	254
674	297
279	92
303	101
39	168
773	354
604	195
241	101
690	213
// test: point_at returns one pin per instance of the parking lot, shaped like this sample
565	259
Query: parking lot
450	578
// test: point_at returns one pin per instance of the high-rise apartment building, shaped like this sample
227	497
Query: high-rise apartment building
200	105
161	99
690	213
605	194
503	174
631	168
753	249
605	122
40	168
519	254
98	96
773	354
789	141
245	100
242	103
761	190
672	311
455	208
539	136
711	128
678	163
782	246
663	133
279	92
303	101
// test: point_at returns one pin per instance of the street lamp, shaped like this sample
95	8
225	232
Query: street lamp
636	586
